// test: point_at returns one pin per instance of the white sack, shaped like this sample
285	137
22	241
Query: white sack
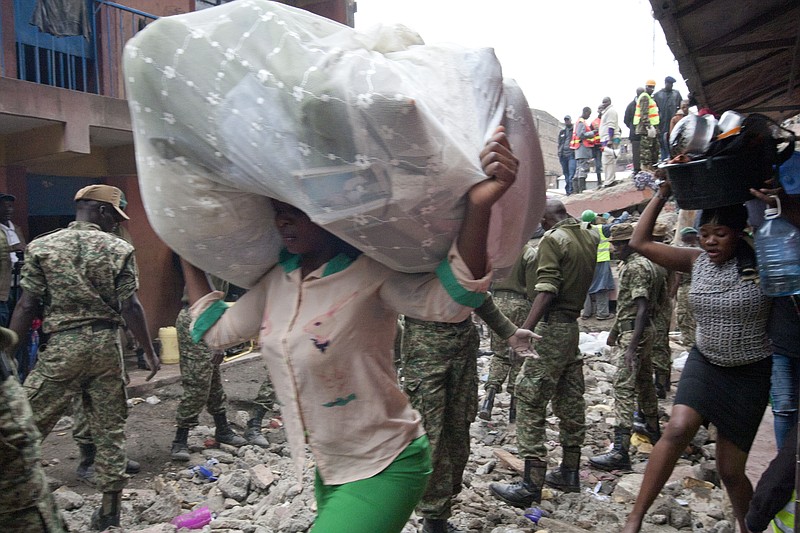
375	136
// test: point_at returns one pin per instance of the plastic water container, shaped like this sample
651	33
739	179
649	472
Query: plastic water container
789	173
169	345
778	253
193	520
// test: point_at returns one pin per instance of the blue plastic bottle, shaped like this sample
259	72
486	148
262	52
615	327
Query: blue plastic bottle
778	253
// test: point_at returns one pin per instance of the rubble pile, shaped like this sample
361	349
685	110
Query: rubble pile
254	490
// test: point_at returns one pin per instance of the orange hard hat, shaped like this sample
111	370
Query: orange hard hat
650	83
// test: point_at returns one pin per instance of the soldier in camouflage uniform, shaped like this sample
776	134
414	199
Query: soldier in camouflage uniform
632	334
440	376
662	317
84	281
81	433
513	295
565	266
202	387
26	505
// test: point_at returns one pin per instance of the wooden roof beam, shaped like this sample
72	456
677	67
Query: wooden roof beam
738	69
768	93
771	108
691	8
753	24
746	47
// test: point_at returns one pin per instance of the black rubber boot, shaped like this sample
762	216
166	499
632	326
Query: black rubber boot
617	458
648	427
565	477
253	433
488	404
225	434
141	363
85	470
512	410
524	493
180	446
438	525
108	513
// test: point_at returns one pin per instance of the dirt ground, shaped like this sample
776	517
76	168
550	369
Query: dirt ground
151	428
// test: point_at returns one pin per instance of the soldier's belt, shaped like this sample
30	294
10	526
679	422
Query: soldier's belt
440	325
623	326
94	327
626	325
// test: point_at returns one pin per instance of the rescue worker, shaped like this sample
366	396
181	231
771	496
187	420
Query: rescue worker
632	334
582	142
26	505
566	262
646	121
84	280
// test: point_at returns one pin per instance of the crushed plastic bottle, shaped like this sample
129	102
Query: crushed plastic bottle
534	514
205	470
195	519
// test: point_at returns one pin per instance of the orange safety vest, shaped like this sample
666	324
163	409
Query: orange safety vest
576	141
596	128
652	111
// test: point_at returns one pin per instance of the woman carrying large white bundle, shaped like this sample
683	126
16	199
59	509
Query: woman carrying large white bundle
325	316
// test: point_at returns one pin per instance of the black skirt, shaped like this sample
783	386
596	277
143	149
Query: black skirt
733	398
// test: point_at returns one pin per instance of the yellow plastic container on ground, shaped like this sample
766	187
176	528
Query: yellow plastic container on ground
169	345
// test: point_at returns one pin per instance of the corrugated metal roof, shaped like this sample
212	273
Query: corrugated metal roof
737	54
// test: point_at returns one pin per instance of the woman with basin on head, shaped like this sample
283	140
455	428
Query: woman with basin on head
726	379
326	317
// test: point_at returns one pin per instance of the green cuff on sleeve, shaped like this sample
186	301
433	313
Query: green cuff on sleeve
455	290
208	319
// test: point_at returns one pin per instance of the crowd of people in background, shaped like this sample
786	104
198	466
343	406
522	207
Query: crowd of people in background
649	117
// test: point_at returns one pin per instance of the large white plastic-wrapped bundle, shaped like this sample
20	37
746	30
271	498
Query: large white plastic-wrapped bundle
376	136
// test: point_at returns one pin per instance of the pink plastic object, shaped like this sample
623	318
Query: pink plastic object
193	520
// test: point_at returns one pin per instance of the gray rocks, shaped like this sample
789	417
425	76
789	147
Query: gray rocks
235	484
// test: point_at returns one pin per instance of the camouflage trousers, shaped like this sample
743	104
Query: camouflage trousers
649	152
662	354
516	307
81	432
440	372
685	316
200	378
86	364
638	385
26	505
557	376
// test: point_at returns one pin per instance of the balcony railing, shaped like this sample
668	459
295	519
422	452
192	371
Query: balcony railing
89	65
